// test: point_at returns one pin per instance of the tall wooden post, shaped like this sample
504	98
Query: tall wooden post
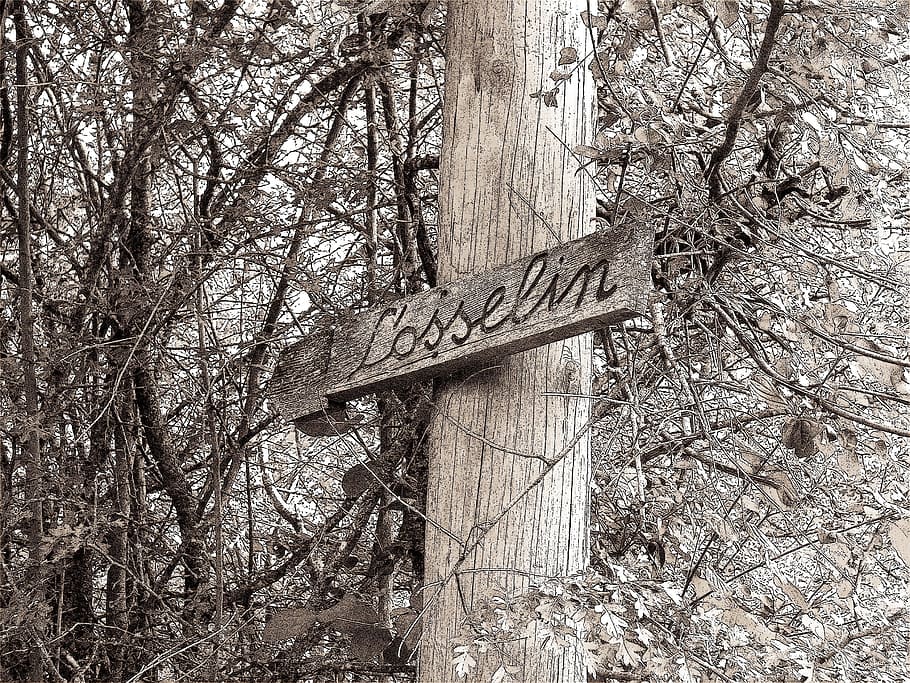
509	186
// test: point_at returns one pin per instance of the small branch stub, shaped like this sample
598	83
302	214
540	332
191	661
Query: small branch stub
555	294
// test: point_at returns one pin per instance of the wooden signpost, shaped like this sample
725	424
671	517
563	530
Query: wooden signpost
549	296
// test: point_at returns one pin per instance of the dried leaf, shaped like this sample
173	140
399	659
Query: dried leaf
464	662
727	12
815	626
764	389
793	593
587	151
359	478
839	318
840	554
899	534
286	623
426	16
396	652
407	626
888	374
642	135
847	458
799	436
783	492
812	120
701	587
368	642
348	614
739	617
568	55
263	50
750	503
596	21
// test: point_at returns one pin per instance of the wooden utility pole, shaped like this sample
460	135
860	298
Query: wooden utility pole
509	186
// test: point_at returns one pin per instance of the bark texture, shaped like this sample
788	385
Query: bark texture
509	187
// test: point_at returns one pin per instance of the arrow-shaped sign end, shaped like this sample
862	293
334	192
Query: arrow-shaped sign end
301	383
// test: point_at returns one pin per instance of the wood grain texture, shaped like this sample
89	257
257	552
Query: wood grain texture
549	296
507	183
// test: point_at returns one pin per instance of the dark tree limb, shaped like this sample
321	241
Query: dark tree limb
422	162
213	175
6	138
160	445
372	230
404	262
34	468
736	110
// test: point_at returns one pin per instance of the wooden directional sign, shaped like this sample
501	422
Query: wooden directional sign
555	294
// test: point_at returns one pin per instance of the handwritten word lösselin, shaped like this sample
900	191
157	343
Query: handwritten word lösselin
544	288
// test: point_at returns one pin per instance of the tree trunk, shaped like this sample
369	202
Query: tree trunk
34	467
509	186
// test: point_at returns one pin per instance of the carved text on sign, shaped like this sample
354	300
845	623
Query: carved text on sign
554	294
450	323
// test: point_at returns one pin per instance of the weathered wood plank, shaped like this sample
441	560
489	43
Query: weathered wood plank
554	294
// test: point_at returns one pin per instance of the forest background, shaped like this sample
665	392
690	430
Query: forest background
188	186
